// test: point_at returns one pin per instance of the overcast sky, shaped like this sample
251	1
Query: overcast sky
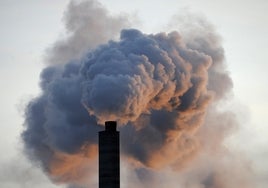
30	27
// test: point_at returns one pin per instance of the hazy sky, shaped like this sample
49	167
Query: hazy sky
29	27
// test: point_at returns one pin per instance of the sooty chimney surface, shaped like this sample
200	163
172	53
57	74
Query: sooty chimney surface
109	156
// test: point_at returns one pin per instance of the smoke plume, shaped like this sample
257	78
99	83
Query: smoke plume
163	89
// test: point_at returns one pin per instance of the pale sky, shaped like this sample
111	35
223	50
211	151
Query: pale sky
29	27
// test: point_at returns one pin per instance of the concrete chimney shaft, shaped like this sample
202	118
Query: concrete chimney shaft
109	156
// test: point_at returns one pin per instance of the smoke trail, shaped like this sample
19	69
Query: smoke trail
163	89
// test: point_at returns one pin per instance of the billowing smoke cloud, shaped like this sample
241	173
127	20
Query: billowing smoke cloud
163	89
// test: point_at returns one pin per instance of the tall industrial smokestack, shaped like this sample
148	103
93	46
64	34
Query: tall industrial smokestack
109	156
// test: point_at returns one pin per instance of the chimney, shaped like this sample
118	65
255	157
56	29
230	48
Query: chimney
109	156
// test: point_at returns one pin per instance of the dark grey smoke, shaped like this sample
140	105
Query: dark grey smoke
163	90
155	85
